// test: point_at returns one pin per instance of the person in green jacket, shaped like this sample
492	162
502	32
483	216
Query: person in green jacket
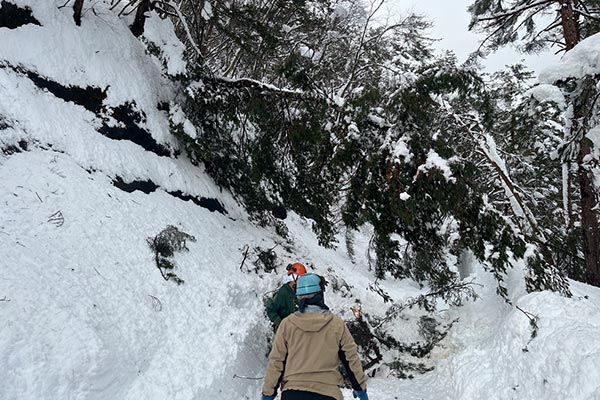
284	302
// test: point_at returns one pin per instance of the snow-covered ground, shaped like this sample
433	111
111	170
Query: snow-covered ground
85	312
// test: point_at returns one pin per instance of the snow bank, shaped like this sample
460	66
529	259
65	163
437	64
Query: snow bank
100	53
502	358
89	314
490	352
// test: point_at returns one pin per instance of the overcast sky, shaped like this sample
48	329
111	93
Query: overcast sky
451	21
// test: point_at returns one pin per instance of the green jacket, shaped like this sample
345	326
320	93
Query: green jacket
282	304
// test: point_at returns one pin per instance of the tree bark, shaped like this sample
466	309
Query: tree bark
589	199
569	23
589	219
137	28
77	7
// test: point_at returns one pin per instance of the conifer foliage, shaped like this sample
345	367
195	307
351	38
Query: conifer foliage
316	107
518	22
164	245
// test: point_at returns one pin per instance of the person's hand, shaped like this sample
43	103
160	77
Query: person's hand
360	394
265	397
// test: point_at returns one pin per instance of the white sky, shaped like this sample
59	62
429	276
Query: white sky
451	21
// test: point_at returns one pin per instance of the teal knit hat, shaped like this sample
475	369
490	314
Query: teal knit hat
308	284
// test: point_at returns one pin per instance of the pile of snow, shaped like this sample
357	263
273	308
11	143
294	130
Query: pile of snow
493	353
548	93
86	313
582	60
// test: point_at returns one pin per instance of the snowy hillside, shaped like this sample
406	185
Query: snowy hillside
89	172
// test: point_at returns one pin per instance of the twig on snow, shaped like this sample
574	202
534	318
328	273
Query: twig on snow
246	251
156	303
248	377
533	323
57	218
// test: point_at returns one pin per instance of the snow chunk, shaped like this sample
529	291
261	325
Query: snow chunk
401	149
207	11
547	93
434	161
162	33
340	12
594	136
178	117
339	101
404	196
582	60
306	52
377	120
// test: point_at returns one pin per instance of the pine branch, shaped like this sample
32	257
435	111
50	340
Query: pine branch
515	11
457	290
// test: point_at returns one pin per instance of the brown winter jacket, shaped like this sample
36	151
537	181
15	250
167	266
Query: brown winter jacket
306	354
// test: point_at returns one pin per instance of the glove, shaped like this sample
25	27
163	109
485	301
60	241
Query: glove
361	394
265	397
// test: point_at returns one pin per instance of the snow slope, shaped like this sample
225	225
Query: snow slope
87	315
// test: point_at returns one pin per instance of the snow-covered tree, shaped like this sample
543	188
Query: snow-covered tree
564	23
346	123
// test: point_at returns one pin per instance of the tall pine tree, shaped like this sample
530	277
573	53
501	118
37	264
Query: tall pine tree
508	22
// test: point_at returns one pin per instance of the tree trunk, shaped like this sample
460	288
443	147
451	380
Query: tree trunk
569	23
77	7
589	219
566	195
589	200
137	28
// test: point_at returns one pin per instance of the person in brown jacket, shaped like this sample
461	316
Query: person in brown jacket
307	349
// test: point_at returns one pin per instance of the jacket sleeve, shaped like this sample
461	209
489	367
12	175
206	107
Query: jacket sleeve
277	359
273	306
349	358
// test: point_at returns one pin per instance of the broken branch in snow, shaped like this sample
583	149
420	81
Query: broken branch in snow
533	323
156	303
246	251
57	218
164	245
64	5
453	294
374	287
248	377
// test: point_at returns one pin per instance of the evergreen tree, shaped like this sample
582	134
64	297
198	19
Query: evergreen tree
518	22
346	122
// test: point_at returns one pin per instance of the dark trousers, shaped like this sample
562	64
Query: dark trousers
302	395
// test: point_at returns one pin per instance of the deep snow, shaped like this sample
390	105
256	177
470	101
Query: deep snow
86	313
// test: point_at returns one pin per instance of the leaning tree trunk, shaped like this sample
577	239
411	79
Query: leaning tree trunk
137	28
77	7
589	219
